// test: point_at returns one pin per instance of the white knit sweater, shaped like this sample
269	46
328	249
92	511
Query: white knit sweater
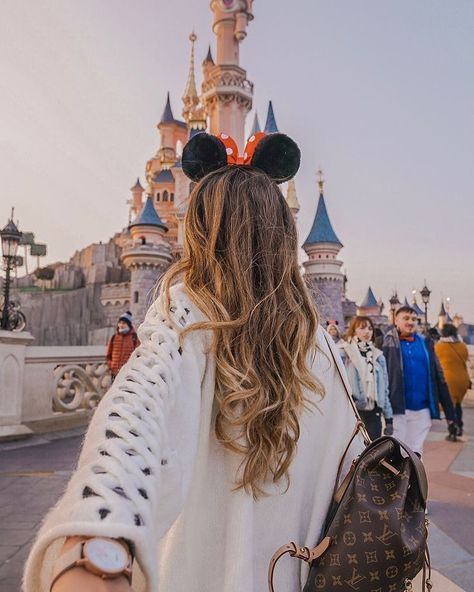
151	471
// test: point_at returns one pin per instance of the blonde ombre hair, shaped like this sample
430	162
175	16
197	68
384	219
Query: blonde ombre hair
240	268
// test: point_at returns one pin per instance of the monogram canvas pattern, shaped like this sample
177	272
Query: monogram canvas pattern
378	532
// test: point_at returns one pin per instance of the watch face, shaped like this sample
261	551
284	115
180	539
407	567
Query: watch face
106	555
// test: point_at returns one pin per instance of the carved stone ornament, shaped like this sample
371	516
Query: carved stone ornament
80	386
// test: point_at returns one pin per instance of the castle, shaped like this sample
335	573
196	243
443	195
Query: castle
81	304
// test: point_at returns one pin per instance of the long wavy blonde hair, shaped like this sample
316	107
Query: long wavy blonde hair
240	268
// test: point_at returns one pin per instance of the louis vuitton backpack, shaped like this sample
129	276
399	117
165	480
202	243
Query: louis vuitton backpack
375	536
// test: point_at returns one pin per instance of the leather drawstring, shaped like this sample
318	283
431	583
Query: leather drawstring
304	553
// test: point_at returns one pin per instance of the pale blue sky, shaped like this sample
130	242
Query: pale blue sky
378	94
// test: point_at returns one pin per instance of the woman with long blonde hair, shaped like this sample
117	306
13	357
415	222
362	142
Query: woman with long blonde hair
220	438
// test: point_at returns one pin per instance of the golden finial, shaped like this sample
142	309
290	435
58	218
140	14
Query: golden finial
190	96
320	181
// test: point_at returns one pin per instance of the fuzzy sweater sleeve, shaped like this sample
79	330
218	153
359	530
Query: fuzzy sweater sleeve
131	481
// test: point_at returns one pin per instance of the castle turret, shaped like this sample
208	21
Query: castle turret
255	126
292	199
147	256
226	92
443	316
171	131
136	202
323	269
420	313
369	305
208	63
270	124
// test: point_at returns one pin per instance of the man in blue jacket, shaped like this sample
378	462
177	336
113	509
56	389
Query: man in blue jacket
416	382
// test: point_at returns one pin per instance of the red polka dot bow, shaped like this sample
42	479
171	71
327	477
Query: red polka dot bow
232	150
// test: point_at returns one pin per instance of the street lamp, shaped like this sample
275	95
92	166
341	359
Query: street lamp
10	240
394	304
425	296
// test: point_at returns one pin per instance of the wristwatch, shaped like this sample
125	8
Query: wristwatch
104	557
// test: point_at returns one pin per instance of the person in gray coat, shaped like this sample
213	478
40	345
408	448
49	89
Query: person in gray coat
367	373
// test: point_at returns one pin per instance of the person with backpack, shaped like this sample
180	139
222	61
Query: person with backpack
122	344
229	420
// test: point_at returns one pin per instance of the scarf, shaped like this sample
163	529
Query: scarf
366	351
362	356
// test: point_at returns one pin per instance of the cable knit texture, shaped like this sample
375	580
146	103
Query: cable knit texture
152	472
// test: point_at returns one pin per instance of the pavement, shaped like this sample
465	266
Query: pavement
34	473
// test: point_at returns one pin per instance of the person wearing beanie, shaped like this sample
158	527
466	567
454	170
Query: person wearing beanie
332	327
121	344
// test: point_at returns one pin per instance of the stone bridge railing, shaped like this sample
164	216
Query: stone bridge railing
63	379
45	388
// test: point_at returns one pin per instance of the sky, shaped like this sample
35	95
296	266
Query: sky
379	95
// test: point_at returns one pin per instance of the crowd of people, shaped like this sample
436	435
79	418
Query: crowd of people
404	377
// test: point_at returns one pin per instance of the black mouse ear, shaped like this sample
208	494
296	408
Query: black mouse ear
203	154
278	156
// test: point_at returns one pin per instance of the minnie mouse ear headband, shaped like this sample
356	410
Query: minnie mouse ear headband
277	155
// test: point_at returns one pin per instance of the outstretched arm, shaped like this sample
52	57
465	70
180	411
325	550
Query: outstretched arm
128	459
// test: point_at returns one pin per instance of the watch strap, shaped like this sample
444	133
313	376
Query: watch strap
67	560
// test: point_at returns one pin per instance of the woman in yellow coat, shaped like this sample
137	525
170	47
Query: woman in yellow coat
453	355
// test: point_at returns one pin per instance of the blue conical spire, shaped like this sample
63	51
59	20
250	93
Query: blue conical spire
369	301
271	124
167	116
148	216
255	126
322	230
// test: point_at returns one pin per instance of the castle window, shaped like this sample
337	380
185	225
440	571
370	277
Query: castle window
135	297
143	240
165	195
158	196
171	196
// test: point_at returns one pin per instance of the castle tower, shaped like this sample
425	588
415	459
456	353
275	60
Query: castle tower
136	201
443	316
255	126
160	169
171	131
292	199
323	269
420	313
226	92
369	306
147	256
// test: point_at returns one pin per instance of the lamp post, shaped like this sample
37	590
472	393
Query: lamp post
425	296
394	304
10	236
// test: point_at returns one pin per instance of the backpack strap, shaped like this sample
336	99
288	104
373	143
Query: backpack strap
342	374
